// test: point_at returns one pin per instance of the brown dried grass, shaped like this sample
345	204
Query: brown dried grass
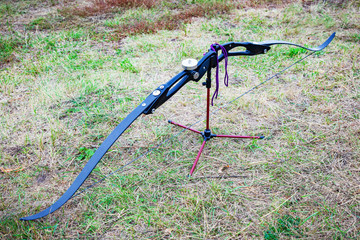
105	6
171	21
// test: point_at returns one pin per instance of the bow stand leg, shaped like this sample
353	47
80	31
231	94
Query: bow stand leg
207	134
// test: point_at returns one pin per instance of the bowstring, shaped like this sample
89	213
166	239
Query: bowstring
195	123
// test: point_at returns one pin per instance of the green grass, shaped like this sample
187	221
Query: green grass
8	47
67	80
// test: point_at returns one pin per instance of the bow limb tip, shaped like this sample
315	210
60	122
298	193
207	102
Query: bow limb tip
327	42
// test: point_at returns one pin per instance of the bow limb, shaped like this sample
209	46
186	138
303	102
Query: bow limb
254	48
94	160
319	48
155	99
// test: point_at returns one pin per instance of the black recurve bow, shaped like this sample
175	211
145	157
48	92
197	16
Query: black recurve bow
159	96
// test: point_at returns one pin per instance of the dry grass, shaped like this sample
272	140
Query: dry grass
171	21
104	6
68	88
170	15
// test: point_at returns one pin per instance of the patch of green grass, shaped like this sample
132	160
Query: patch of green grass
85	153
295	51
40	23
6	9
8	47
287	225
77	34
218	29
355	37
126	65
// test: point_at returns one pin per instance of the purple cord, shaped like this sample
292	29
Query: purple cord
226	78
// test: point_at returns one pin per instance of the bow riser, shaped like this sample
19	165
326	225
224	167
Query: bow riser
167	90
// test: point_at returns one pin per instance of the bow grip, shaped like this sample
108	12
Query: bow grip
166	91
